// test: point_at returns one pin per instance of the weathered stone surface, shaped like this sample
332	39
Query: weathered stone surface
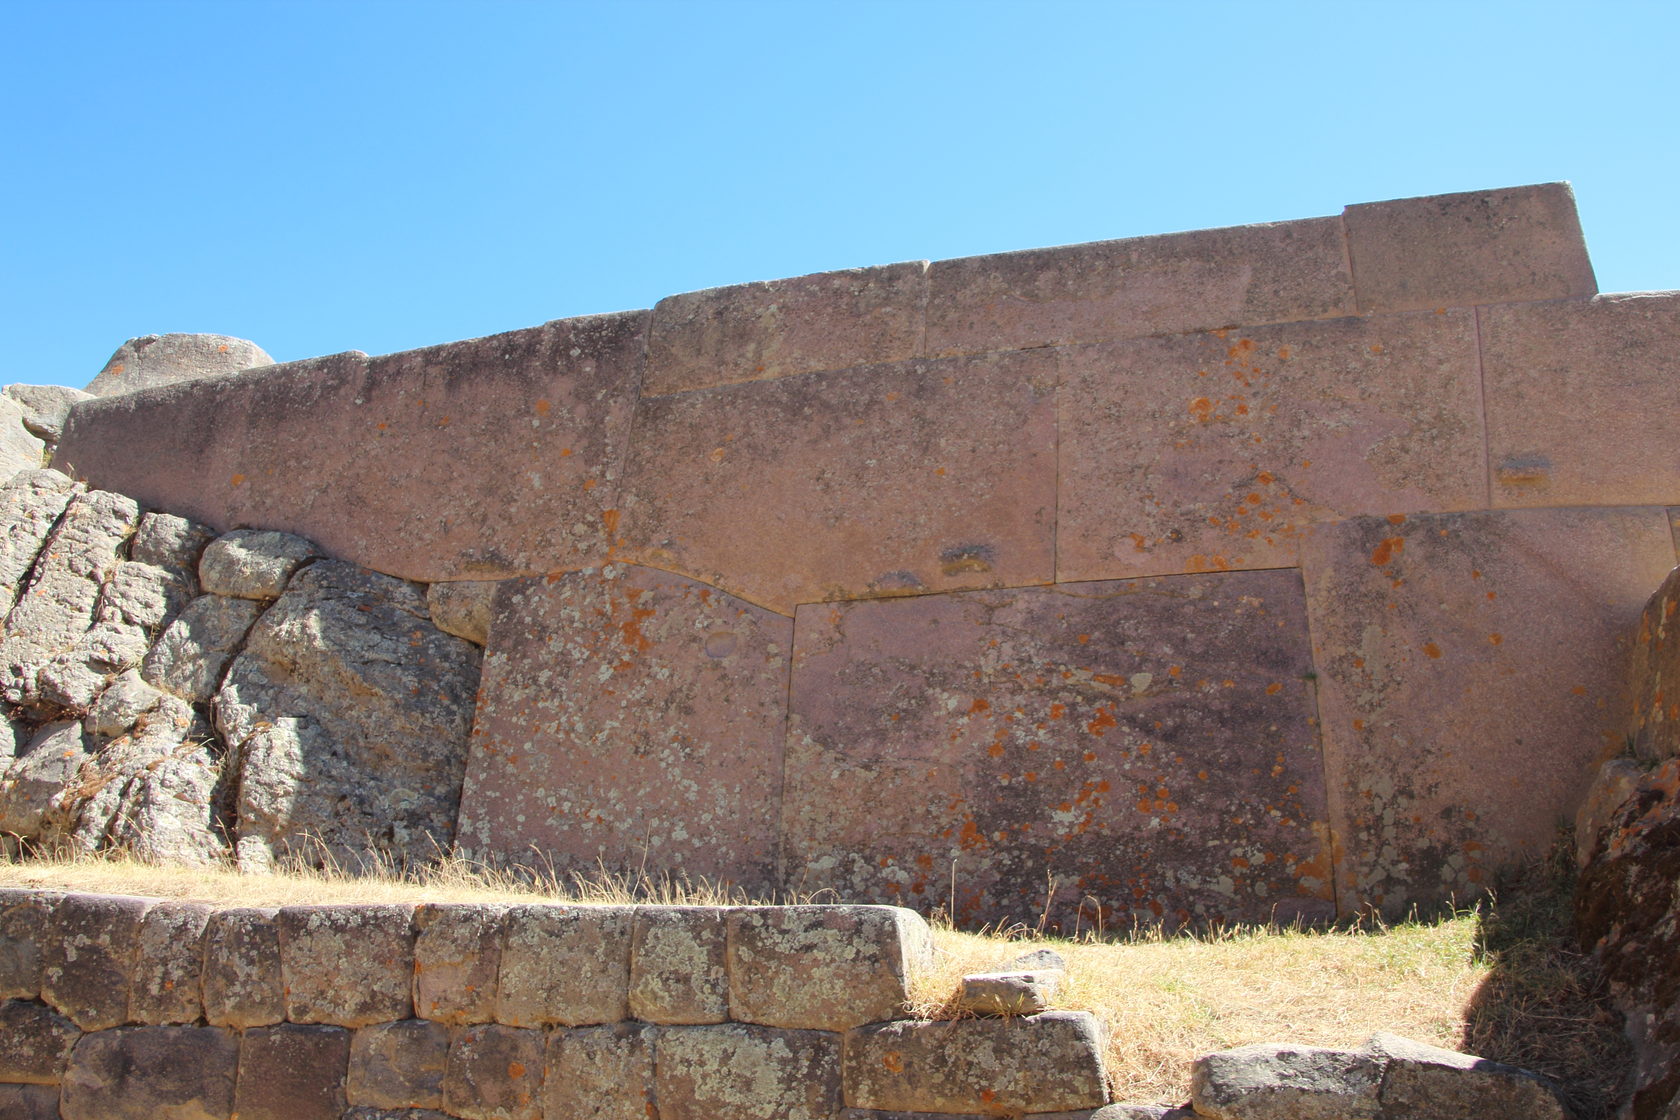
152	1073
1280	272
395	1114
630	717
494	1073
39	786
191	656
87	965
1654	676
348	712
120	706
823	967
243	985
253	563
170	542
169	733
167	813
564	964
371	950
457	955
1010	993
1267	1081
1212	451
29	1102
169	965
25	924
20	449
35	1043
1423	1082
463	608
163	359
1148	744
679	965
734	1071
31	503
1616	781
1446	754
1042	1063
751	332
601	1073
398	1065
1453	250
45	407
1576	395
292	1072
893	479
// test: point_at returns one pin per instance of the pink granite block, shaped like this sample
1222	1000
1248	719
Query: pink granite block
1139	286
750	332
1580	401
893	479
1472	676
1215	451
630	717
1454	250
1138	750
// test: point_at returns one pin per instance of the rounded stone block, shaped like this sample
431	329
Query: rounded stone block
735	1071
565	965
152	1073
398	1065
494	1073
88	964
35	1042
163	359
823	967
679	965
167	987
601	1073
1267	1081
29	1102
347	965
291	1072
25	922
243	986
457	956
253	563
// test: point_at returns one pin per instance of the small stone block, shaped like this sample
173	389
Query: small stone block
1044	1063
679	965
25	919
292	1072
1268	1081
35	1042
398	1065
463	608
29	1102
87	968
347	965
823	967
253	563
734	1071
1422	1082
242	978
566	965
601	1073
152	1073
494	1073
167	974
457	954
1009	993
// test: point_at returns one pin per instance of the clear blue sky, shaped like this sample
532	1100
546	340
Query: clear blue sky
382	175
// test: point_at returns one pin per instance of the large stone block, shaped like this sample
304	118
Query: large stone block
630	717
823	967
1578	400
1212	451
1137	750
1654	678
163	359
243	982
152	1073
25	928
1036	1063
35	1042
750	332
1265	1081
1139	286
1453	250
170	962
457	955
892	479
292	1072
1431	1083
679	965
735	1071
87	966
1471	679
567	965
398	1065
494	1073
347	965
601	1073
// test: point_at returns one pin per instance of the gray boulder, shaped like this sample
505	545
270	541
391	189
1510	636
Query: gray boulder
40	784
45	407
163	359
20	450
190	657
31	502
253	564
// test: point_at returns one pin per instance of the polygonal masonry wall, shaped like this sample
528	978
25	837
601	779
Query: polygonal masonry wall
1353	516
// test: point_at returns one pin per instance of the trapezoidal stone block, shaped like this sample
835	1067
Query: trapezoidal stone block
1454	250
457	955
242	981
1215	451
1105	290
152	1073
1580	401
292	1072
627	717
884	480
564	965
824	967
751	332
1471	678
347	965
90	957
1142	750
737	1071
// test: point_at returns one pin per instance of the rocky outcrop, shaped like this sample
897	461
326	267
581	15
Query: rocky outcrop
163	359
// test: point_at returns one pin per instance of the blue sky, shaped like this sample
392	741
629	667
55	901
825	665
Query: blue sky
378	175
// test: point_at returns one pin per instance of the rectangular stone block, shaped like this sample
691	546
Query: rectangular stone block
243	986
148	1073
29	1102
457	954
885	480
1101	753
35	1042
88	961
1215	451
735	1071
167	987
823	967
1105	290
565	965
601	1073
1471	678
1454	250
1036	1063
292	1072
679	964
398	1065
1579	396
347	965
494	1073
25	922
752	332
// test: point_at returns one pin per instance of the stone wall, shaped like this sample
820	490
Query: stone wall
1276	570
